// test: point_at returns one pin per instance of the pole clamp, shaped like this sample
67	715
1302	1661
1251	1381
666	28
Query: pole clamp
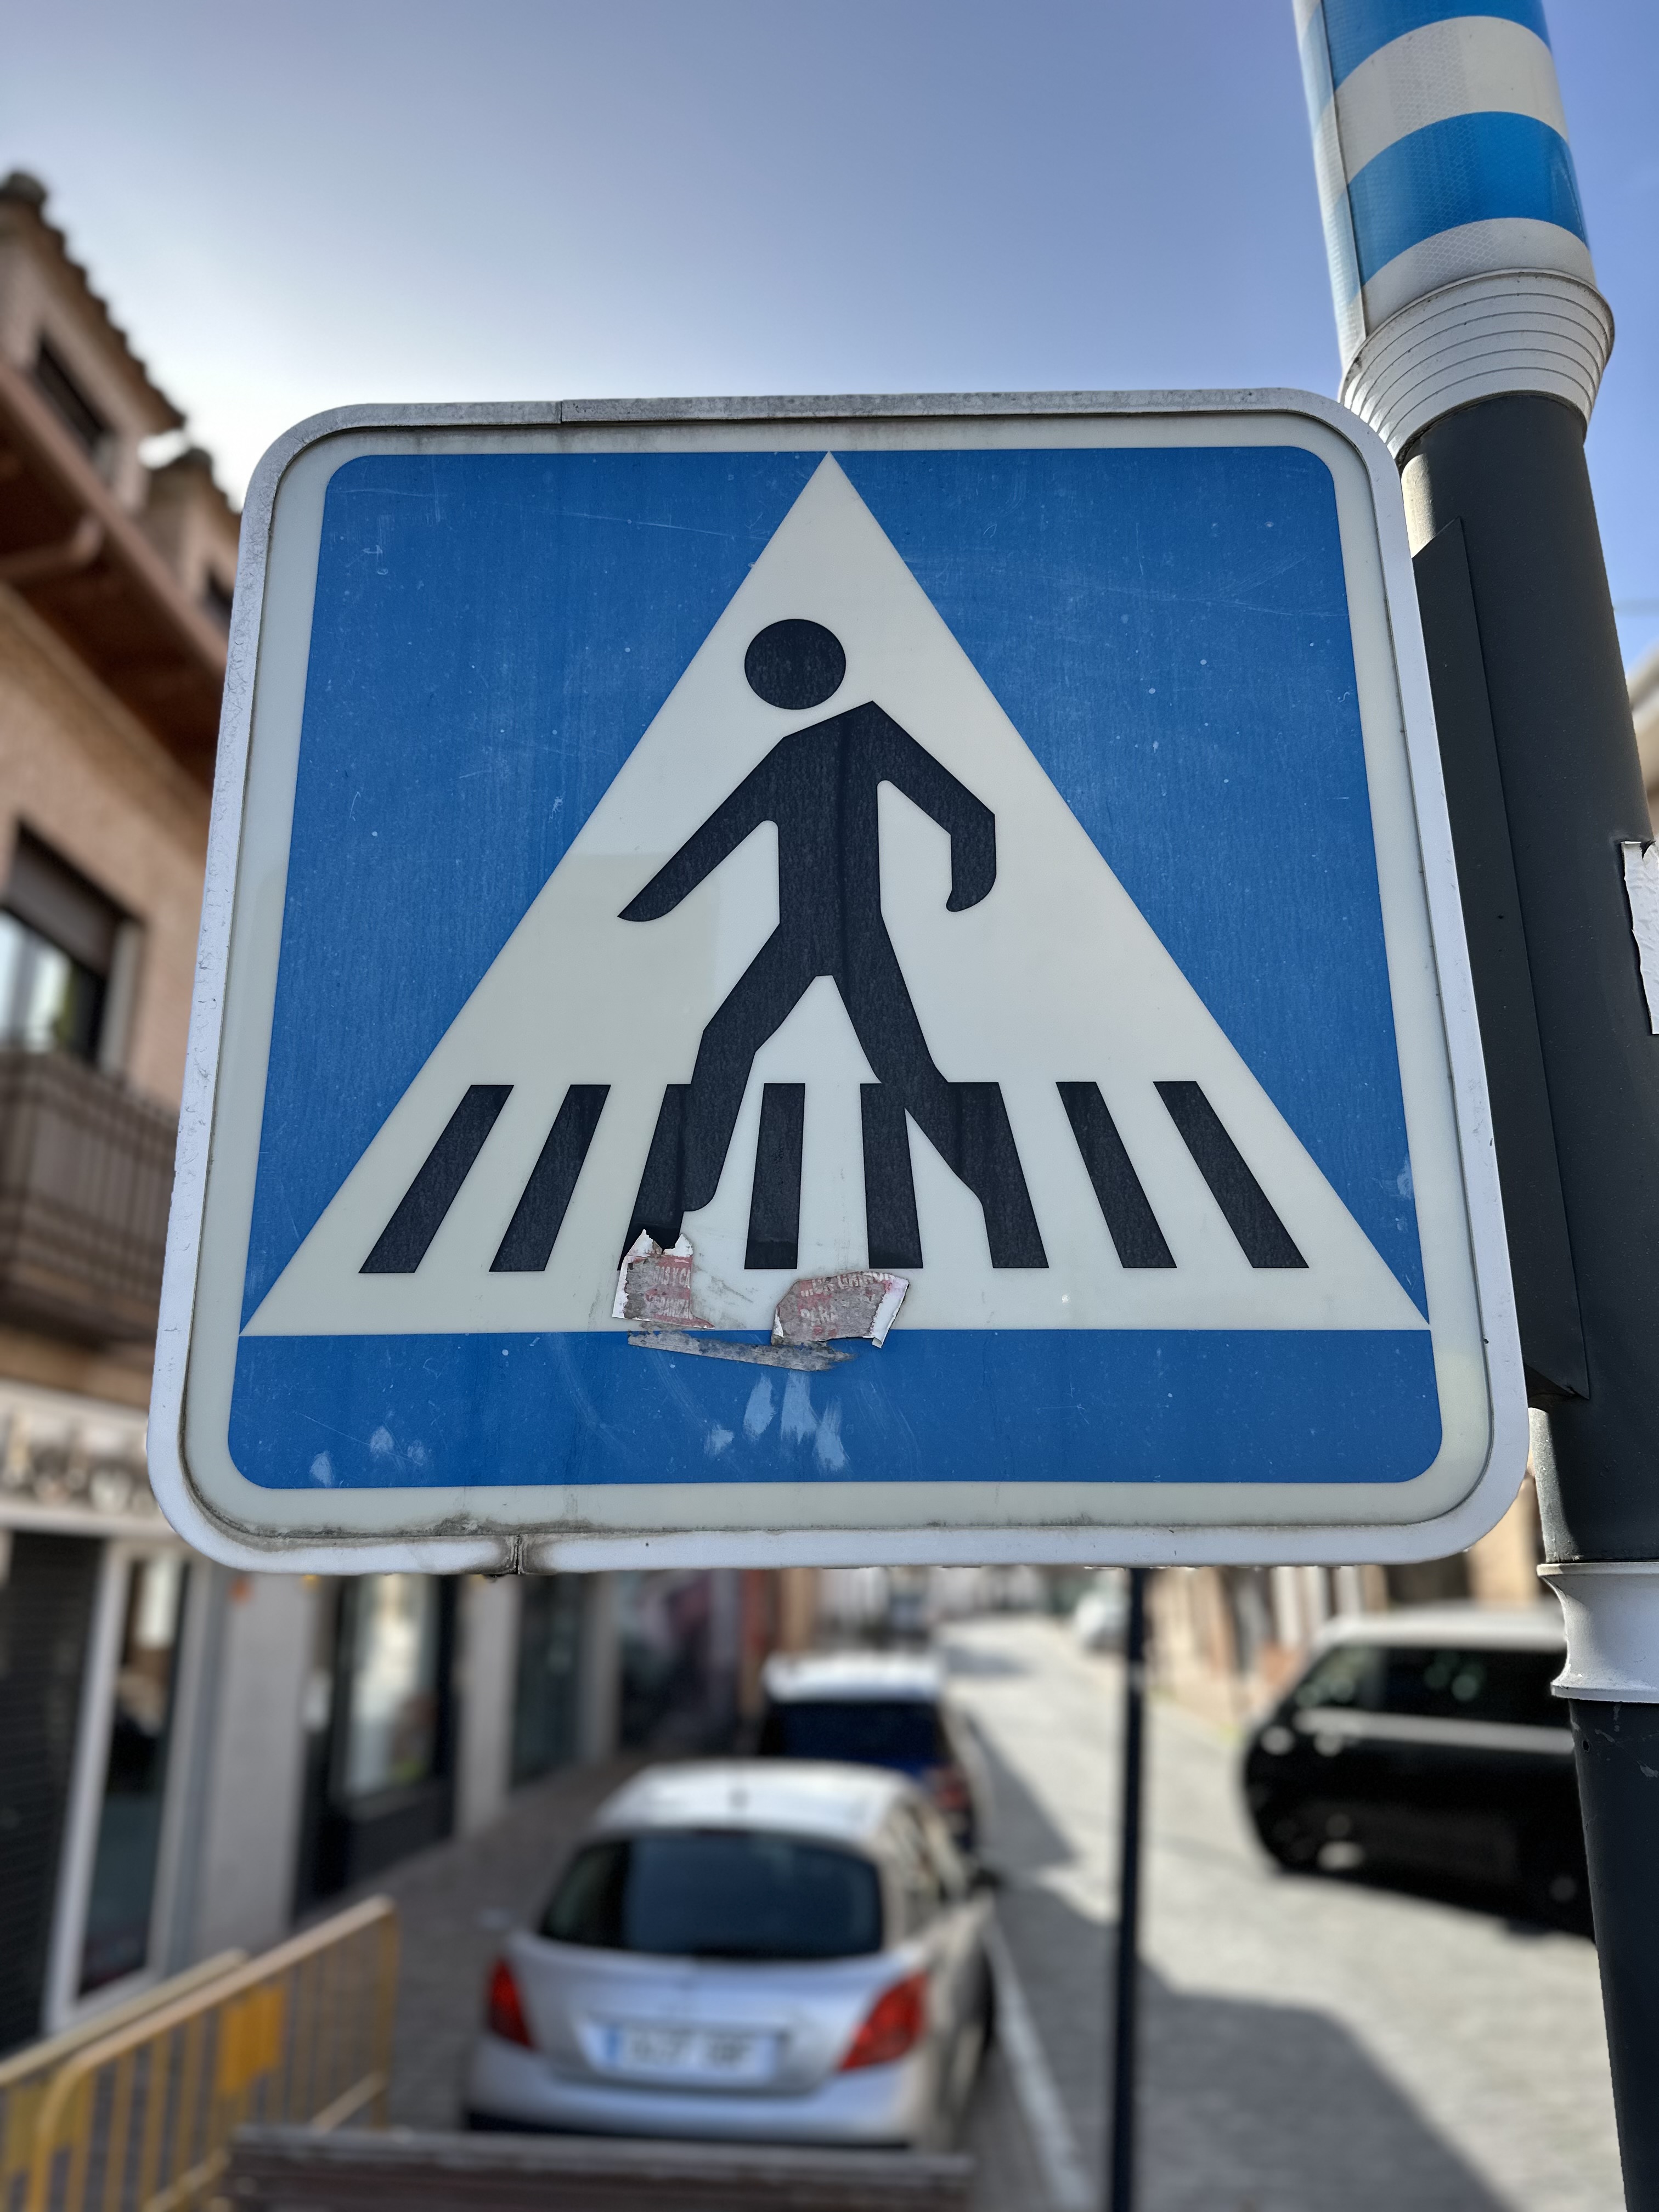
1507	330
1611	1611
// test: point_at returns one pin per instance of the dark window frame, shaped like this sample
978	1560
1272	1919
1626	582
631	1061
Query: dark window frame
75	408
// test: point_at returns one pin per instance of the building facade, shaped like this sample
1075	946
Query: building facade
189	1758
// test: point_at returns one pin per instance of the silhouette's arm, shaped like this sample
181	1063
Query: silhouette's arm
743	811
971	825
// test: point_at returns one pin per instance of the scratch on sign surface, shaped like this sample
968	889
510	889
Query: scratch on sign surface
814	1360
860	1302
1642	889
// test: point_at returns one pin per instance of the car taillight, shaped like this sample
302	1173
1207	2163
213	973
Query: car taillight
895	2023
504	2011
948	1788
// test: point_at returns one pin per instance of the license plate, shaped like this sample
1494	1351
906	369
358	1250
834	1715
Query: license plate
687	2054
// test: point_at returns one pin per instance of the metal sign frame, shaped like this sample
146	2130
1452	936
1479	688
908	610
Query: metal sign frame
364	1530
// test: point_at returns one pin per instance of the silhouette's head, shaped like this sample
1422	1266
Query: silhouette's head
795	664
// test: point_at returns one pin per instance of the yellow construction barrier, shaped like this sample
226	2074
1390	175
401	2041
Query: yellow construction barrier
141	2120
26	2076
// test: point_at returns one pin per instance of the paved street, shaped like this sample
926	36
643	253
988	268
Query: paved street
1308	2045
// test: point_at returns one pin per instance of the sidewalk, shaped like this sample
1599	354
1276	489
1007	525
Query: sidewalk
453	1903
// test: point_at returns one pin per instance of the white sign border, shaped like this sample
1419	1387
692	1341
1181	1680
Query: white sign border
533	1537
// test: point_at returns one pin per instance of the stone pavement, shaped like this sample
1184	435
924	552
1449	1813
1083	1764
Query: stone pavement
1308	2044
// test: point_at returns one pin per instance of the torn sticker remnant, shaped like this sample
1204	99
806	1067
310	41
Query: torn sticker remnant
861	1303
653	1290
1642	889
811	1361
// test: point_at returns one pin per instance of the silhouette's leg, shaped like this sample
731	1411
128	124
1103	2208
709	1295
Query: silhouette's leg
892	1238
693	1127
759	1003
967	1123
774	1194
660	1200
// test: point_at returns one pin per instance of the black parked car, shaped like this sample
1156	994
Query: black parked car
1423	1748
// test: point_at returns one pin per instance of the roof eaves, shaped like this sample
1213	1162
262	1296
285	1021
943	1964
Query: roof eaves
21	191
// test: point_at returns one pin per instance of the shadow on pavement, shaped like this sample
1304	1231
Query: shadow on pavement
1246	2105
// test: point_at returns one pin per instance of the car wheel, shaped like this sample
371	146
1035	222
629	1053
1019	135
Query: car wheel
1286	1836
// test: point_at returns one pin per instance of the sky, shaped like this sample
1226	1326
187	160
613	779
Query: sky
293	205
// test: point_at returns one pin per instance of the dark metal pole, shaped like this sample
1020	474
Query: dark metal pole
1126	1995
1474	339
1544	786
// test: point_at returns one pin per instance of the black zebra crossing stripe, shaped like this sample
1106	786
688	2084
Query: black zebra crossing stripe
892	1232
534	1228
1130	1222
1262	1237
983	1151
402	1244
774	1199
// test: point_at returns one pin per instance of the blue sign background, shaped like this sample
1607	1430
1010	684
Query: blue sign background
1167	630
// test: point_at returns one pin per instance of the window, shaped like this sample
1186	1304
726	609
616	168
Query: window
57	943
898	1732
1348	1675
117	1939
1437	1682
718	1893
1480	1684
378	1738
917	1871
947	1860
71	403
46	1612
391	1735
545	1691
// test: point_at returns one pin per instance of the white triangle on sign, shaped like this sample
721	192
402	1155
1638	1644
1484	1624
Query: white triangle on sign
1054	977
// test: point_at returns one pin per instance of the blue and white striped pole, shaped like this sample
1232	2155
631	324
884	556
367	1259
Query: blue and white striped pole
1474	339
1460	263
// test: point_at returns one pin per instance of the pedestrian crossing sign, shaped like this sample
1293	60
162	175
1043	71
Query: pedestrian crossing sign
832	981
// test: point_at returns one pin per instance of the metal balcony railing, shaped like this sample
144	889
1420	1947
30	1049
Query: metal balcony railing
86	1172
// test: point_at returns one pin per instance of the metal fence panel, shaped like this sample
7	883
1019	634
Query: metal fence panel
141	2120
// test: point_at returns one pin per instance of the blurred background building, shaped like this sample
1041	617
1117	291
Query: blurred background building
190	1758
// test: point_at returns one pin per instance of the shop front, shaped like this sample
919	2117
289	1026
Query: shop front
379	1728
100	1621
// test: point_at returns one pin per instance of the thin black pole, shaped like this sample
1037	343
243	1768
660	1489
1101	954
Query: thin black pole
1126	2009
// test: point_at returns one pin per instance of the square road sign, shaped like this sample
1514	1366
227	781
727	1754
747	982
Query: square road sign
832	981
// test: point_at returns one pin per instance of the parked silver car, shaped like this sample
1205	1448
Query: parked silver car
768	1950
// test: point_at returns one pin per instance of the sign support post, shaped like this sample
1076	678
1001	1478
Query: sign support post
1474	339
1125	1973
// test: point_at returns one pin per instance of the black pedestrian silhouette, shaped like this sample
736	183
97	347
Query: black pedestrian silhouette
819	786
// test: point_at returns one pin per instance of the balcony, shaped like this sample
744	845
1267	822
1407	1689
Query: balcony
86	1172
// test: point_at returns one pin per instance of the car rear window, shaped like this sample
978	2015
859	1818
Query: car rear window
718	1895
1442	1682
867	1731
